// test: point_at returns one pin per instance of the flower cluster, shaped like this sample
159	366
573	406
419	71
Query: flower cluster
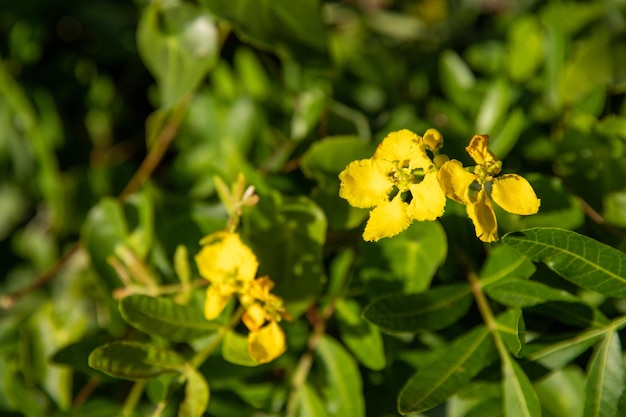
402	183
230	267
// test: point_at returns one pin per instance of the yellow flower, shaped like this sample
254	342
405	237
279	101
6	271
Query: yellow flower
399	183
510	191
267	343
228	264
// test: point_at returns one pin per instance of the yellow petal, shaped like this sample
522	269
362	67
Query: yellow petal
479	151
428	199
267	343
387	220
254	317
433	139
216	300
514	194
455	181
483	217
226	257
403	146
366	183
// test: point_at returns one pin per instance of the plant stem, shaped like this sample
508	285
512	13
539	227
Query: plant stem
133	398
486	313
201	356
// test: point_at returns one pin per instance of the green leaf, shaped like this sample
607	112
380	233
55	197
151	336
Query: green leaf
577	258
309	403
413	256
447	373
297	230
178	42
104	228
605	381
135	360
343	379
520	397
362	338
555	354
284	26
431	310
505	263
512	330
494	108
235	350
163	317
196	395
526	47
506	137
562	393
550	302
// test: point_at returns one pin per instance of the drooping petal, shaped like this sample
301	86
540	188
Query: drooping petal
366	183
403	146
483	217
433	139
428	199
226	257
479	151
514	194
267	343
254	317
455	181
387	220
216	300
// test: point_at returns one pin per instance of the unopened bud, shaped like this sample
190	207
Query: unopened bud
433	139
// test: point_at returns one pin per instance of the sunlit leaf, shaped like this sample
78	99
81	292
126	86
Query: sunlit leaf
343	379
503	264
548	301
512	330
605	383
520	398
309	403
235	350
178	43
163	317
431	310
135	360
362	338
451	371
196	395
580	259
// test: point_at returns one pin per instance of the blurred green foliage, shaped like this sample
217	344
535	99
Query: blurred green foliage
116	117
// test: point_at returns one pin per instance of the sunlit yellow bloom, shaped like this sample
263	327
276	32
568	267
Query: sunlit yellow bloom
366	183
225	257
267	343
387	220
228	264
474	189
399	183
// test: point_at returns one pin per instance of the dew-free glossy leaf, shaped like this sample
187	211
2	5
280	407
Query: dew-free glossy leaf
179	44
577	258
555	354
309	403
196	395
605	381
135	360
431	310
451	371
362	338
512	330
343	379
520	397
542	299
505	263
163	317
235	350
